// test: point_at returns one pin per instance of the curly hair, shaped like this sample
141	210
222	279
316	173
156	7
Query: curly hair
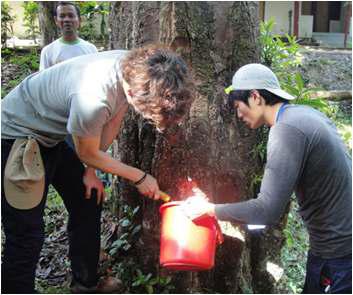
161	84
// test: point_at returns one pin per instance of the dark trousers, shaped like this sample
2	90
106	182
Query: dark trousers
328	275
24	229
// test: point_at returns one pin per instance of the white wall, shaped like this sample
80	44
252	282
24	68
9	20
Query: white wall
306	26
279	11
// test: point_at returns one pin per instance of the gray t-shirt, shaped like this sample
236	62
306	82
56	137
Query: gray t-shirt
305	154
59	51
76	97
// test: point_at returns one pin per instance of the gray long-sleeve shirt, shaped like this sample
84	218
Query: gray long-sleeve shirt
305	154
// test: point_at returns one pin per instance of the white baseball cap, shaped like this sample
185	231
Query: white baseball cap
257	76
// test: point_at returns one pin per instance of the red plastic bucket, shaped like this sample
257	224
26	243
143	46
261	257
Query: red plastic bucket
187	244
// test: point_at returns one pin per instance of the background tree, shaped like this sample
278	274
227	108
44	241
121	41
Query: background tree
94	12
213	148
48	28
31	9
7	21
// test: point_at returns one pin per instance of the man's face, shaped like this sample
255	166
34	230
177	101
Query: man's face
252	114
67	19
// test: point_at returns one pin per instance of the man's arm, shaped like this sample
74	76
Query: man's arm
112	128
285	162
109	133
88	151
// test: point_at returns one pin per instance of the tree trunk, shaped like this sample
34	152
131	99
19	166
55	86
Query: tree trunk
49	31
212	148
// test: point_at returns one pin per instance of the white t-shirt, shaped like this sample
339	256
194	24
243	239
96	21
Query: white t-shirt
78	96
60	50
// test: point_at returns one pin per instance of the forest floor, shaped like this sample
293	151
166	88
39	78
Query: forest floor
328	69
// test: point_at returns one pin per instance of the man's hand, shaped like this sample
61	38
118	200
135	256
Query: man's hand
91	181
149	187
197	206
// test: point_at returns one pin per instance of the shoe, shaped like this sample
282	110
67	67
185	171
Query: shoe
104	286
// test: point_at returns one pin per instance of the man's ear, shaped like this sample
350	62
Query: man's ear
257	97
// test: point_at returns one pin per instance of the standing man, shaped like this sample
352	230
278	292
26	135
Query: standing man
305	154
88	98
67	18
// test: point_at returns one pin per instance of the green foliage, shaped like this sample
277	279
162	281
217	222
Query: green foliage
275	53
31	10
91	10
284	58
258	153
297	89
26	62
124	242
29	61
343	121
146	283
7	21
126	267
43	288
55	206
295	251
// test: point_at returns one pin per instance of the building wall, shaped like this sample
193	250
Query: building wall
306	8
279	10
321	23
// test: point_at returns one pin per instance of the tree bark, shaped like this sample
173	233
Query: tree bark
212	147
49	31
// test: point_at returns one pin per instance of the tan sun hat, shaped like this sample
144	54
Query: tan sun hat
24	177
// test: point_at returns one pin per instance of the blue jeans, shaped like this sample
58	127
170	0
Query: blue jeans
24	229
328	275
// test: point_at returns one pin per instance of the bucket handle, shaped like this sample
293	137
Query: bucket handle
219	234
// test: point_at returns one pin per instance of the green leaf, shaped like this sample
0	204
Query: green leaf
136	230
125	222
135	210
113	251
119	243
168	280
154	281
299	81
127	246
136	283
124	236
